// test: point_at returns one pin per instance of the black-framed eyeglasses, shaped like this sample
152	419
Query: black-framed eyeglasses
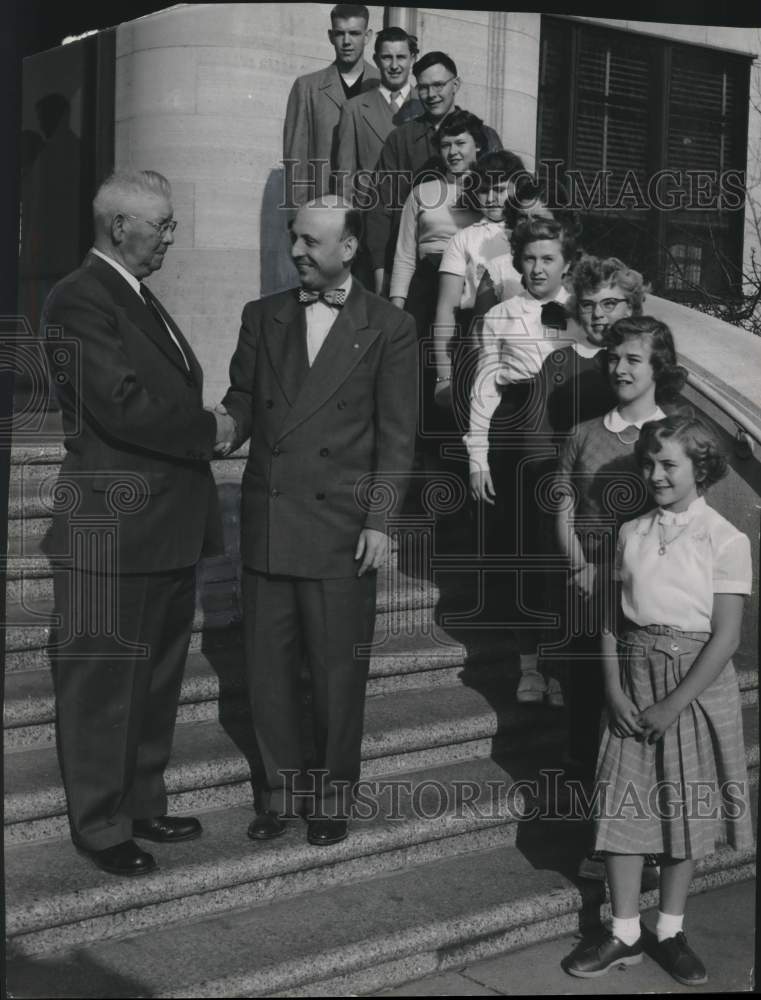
433	88
162	228
607	305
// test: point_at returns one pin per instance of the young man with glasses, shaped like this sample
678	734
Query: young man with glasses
406	152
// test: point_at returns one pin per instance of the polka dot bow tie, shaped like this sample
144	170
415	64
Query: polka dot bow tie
330	296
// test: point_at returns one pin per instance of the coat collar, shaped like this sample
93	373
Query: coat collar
286	345
344	347
426	126
333	87
376	111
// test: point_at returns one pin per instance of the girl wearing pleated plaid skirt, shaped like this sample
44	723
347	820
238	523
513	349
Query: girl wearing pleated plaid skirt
671	775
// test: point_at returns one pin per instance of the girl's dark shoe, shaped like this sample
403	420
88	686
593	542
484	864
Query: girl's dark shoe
678	959
593	960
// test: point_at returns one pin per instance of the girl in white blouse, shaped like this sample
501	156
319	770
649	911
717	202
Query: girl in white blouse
673	749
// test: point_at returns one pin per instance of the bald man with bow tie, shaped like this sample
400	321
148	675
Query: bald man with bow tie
324	382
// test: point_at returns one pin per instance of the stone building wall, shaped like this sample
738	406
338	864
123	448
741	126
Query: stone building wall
201	91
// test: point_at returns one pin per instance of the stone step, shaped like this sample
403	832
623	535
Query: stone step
29	610
55	896
332	939
32	462
209	766
31	492
28	629
29	580
400	662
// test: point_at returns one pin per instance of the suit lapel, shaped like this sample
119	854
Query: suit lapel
141	316
377	113
285	342
170	349
411	109
343	349
332	87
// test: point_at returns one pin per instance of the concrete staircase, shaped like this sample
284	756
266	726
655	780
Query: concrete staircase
441	866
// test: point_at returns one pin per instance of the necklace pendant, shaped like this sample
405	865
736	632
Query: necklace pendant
662	550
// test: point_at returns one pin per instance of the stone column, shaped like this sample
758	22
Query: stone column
512	73
201	91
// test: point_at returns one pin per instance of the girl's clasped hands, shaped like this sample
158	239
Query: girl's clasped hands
647	726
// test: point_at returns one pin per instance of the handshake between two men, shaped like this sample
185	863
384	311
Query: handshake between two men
226	432
325	388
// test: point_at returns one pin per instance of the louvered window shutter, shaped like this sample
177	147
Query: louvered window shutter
623	107
612	117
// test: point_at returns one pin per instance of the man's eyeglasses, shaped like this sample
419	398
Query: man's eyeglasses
162	228
433	88
607	305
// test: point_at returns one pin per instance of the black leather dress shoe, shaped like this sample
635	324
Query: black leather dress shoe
122	859
595	959
324	832
167	829
677	958
266	826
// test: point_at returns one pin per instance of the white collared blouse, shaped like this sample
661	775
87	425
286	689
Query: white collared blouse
670	566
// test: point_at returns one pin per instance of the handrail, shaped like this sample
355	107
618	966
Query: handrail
743	421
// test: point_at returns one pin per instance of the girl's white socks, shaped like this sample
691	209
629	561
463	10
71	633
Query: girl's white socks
668	925
627	929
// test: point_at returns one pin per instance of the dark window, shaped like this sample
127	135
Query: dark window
650	139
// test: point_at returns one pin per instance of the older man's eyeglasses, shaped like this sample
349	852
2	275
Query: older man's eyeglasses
162	228
607	305
433	88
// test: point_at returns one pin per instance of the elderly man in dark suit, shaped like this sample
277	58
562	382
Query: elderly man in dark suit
407	151
324	381
367	120
315	102
142	509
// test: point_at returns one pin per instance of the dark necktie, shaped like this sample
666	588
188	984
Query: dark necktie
554	315
330	296
153	309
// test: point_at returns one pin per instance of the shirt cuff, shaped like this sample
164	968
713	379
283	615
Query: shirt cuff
478	453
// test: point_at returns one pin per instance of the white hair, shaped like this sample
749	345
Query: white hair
124	186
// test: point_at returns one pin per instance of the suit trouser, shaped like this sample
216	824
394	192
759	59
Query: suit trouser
289	622
118	659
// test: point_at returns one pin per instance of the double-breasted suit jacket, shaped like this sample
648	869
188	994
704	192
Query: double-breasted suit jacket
138	444
363	127
320	433
310	130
